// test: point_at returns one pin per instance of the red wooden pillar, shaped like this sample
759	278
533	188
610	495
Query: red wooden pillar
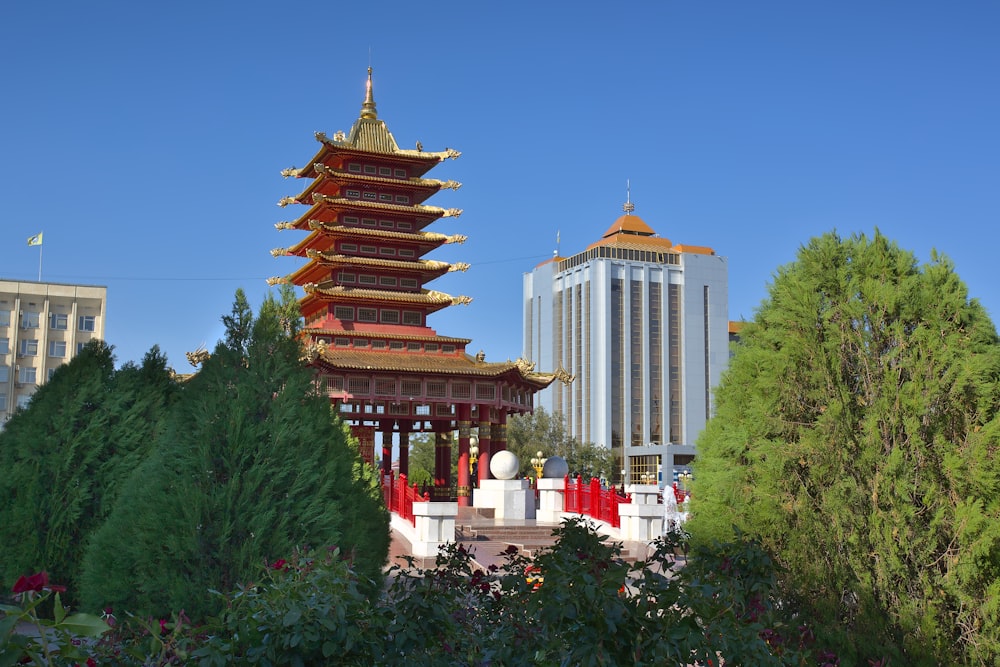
386	428
499	432
485	443
442	467
464	426
404	447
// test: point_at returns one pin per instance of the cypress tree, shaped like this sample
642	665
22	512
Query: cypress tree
63	458
252	464
855	435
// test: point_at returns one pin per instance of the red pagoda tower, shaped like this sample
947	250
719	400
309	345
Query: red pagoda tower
366	304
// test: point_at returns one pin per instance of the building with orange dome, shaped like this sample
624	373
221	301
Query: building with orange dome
641	324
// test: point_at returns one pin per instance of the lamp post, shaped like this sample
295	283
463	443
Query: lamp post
538	463
473	455
685	480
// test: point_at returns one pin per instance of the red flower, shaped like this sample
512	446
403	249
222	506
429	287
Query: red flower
163	626
91	662
278	564
35	582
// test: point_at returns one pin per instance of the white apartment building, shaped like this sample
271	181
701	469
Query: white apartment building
42	326
642	324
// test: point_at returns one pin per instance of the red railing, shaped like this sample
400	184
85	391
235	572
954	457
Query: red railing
399	497
589	498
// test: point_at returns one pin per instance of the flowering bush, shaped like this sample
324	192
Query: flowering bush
595	608
27	638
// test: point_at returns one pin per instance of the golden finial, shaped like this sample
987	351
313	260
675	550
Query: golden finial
368	108
629	206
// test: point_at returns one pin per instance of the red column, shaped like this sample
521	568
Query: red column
442	467
386	428
499	432
404	448
485	443
464	426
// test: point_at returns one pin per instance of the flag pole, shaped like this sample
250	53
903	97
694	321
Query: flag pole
40	248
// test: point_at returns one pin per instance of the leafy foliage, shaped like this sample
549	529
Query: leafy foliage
546	432
252	464
65	456
855	435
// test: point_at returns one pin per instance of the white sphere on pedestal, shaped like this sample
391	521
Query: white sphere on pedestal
504	465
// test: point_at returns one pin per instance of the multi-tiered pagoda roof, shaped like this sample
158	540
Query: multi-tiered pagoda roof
366	284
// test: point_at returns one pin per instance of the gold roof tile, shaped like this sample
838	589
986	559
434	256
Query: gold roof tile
427	364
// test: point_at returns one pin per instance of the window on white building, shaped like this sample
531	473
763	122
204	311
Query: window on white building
29	319
59	321
27	375
57	348
4	318
5	373
28	348
4	345
88	323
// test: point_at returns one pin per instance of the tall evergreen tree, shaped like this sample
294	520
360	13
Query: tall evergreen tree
855	435
252	464
64	457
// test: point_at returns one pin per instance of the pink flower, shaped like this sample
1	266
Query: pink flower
163	626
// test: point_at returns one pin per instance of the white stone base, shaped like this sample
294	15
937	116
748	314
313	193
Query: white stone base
551	499
641	519
508	498
434	525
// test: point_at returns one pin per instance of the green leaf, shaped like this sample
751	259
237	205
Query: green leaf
292	616
85	625
59	610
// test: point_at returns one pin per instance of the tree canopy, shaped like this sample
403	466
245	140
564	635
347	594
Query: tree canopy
66	454
252	464
545	432
855	435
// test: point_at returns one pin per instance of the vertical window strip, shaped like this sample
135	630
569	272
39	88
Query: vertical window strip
674	308
708	378
587	437
637	324
578	365
655	362
617	364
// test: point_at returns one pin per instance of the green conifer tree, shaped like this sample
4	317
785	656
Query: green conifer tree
64	457
855	435
252	465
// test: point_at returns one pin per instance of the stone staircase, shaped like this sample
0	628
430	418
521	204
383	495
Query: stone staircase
476	529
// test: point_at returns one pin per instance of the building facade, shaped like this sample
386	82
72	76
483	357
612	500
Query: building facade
641	324
42	326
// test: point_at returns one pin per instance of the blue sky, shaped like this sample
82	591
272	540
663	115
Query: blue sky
146	139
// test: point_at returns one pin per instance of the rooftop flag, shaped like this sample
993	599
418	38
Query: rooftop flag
35	240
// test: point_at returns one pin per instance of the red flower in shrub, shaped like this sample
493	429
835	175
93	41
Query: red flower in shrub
35	582
278	564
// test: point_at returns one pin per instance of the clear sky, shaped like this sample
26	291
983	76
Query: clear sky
146	139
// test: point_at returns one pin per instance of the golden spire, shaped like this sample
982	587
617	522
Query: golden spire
368	108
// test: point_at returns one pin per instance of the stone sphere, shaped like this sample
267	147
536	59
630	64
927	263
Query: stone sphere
555	468
504	465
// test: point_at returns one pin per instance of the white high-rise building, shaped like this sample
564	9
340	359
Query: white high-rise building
42	326
642	325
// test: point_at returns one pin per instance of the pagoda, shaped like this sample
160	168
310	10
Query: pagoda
366	304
